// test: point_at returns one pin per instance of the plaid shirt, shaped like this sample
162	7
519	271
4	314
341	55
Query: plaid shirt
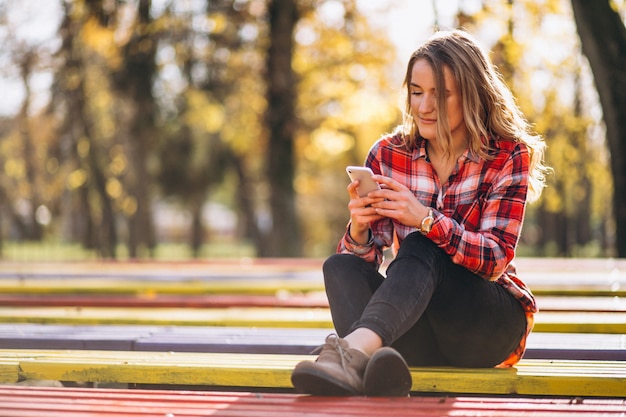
478	212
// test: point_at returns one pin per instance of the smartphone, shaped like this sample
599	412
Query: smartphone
364	175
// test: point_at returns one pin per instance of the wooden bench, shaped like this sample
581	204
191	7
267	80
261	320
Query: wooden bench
545	276
54	402
554	377
555	322
150	287
268	285
296	341
261	371
166	270
310	300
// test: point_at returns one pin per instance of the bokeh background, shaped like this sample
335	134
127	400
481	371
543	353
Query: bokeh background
221	128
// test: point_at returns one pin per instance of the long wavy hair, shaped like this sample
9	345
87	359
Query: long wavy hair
489	108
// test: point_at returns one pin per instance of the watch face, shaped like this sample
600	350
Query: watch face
427	223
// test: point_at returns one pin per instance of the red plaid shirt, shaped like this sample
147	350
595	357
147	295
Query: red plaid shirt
478	212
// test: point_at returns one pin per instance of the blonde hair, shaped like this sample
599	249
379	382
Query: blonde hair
489	108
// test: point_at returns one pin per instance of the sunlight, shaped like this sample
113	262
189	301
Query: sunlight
332	12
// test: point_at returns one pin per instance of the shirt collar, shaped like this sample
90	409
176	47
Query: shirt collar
420	151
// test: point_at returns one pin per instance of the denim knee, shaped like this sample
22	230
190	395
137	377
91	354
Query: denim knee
338	265
416	243
419	248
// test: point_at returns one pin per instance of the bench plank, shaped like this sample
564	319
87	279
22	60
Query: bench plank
247	285
555	322
310	300
530	377
124	286
545	276
9	371
606	274
160	268
588	303
48	402
261	340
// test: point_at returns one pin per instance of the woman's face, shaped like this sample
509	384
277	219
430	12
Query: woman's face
423	100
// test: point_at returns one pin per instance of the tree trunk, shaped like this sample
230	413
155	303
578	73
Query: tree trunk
603	37
137	78
197	225
35	230
284	236
100	230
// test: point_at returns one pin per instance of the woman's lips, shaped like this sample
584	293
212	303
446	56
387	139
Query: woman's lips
427	120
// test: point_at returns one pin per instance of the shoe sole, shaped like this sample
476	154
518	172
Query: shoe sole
314	382
387	375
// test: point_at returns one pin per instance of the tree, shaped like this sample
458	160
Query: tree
204	140
346	101
603	37
134	81
93	216
280	119
102	96
571	218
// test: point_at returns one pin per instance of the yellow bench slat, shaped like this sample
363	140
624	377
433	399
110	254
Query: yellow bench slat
236	285
555	322
232	317
530	377
141	287
9	371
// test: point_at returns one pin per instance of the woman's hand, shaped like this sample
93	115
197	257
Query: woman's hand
362	213
397	202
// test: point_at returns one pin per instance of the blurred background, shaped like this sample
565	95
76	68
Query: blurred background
186	129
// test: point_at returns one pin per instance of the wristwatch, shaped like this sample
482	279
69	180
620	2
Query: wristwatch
427	222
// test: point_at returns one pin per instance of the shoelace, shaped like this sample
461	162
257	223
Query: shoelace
334	342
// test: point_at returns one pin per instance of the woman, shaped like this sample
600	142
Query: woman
455	179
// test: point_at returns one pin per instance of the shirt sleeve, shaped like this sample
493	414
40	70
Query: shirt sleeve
489	249
381	231
369	251
381	237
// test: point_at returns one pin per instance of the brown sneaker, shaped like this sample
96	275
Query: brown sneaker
338	371
387	375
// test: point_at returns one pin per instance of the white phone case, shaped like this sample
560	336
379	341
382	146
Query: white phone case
364	175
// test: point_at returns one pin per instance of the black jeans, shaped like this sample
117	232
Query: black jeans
431	310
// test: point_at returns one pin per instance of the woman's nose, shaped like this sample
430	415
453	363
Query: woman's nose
427	103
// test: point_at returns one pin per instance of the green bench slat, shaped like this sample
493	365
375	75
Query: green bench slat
554	322
530	377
